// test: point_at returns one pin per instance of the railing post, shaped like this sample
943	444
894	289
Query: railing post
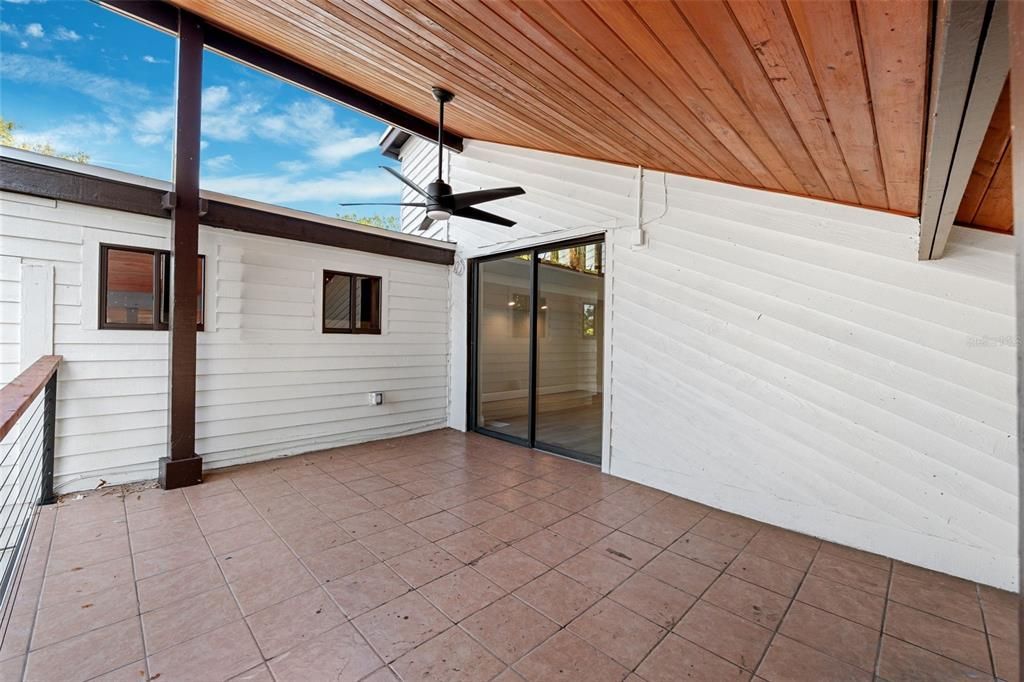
49	424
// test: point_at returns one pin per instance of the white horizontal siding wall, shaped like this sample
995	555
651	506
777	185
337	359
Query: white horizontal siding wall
269	382
788	359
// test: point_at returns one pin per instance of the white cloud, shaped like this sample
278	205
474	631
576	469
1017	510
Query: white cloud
220	163
294	167
81	134
333	153
227	119
150	59
31	69
362	185
153	126
8	28
216	96
34	31
66	34
310	123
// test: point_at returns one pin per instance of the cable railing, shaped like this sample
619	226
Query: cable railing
28	407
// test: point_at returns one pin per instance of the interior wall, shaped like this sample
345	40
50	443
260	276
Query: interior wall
269	383
786	359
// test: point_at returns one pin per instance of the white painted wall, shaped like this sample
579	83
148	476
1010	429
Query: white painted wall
269	382
784	358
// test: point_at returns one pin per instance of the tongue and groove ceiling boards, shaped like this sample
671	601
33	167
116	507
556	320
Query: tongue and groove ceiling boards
818	99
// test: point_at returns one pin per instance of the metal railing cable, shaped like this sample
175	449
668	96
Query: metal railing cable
28	406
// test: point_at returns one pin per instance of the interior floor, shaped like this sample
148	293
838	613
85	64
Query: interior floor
566	421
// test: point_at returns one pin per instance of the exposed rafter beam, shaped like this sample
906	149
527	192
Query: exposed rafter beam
969	67
164	16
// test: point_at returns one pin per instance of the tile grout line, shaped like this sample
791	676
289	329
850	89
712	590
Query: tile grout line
882	626
64	602
135	582
778	626
320	586
512	593
669	630
984	626
39	597
454	625
227	584
471	564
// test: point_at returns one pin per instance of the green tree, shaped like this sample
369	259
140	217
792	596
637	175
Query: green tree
8	138
388	222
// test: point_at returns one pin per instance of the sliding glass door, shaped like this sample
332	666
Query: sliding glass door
503	340
570	351
538	348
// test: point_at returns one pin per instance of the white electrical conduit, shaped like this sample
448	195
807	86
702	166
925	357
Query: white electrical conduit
639	237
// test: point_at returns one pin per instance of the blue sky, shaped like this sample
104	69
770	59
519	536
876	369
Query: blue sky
86	79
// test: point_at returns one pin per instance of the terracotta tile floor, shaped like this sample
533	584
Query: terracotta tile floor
448	557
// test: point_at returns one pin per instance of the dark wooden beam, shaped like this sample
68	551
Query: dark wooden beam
182	467
968	72
164	16
254	221
64	185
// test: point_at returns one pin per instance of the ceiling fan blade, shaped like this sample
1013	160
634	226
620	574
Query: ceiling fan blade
465	199
374	203
484	216
425	224
406	180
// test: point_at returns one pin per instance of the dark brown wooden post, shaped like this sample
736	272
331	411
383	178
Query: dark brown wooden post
182	467
1016	29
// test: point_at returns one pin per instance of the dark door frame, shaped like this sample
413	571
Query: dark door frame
472	384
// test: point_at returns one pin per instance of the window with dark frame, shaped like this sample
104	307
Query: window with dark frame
351	303
134	288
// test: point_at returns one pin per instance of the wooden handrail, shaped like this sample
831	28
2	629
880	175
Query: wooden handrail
16	396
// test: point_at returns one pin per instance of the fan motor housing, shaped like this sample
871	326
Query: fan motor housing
437	190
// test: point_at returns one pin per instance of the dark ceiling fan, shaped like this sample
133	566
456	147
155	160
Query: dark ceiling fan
439	201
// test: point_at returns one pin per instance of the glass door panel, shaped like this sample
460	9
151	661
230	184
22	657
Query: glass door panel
570	350
503	311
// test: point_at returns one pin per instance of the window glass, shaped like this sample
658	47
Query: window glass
337	302
129	299
367	303
351	303
589	320
135	288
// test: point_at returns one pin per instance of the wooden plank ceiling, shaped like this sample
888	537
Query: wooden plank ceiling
819	99
988	200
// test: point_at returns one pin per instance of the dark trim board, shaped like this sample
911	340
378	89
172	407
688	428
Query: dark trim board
55	183
164	16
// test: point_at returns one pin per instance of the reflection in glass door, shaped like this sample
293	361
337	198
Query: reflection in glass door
570	352
538	348
503	341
